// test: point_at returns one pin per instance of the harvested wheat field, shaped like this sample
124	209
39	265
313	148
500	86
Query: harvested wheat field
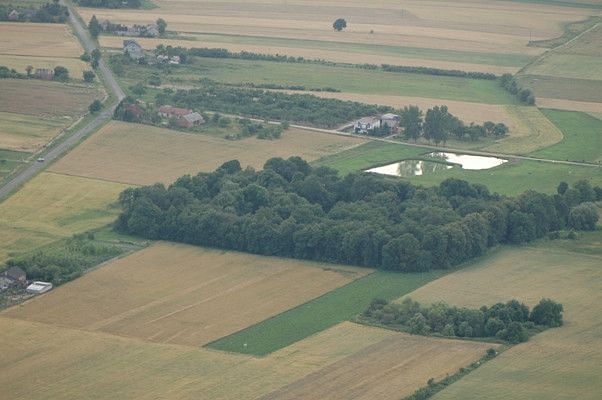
144	155
28	133
44	98
311	52
561	104
71	364
185	295
60	205
391	369
561	363
41	46
473	26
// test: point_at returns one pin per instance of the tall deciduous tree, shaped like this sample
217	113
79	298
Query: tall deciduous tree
339	24
161	26
411	121
94	27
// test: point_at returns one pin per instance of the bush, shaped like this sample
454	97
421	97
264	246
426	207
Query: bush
95	107
547	313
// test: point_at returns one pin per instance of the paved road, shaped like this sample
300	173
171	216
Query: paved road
63	147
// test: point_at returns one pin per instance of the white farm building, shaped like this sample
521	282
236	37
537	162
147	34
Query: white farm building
38	287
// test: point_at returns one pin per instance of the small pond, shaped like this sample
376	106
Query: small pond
409	168
467	161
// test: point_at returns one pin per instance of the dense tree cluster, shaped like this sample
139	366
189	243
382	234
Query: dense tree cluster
526	96
262	104
110	3
512	322
291	209
7	73
438	125
64	261
47	13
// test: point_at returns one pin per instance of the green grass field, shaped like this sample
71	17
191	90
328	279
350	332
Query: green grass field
321	313
316	76
575	66
511	178
506	60
9	160
563	88
582	137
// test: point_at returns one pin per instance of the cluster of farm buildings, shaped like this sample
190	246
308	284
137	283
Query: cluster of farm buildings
132	49
369	124
149	31
183	117
15	277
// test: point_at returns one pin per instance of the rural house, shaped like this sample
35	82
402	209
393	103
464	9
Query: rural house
168	111
134	109
391	120
44	74
190	120
366	124
13	15
132	49
16	275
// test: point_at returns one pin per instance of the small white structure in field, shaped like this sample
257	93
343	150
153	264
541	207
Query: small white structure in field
38	287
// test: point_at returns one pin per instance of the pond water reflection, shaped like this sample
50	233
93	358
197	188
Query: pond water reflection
409	168
468	161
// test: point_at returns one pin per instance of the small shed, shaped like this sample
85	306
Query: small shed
13	15
38	287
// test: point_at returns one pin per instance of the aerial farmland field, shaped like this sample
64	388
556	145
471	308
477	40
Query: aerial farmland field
52	206
162	155
177	279
204	295
41	46
560	363
39	110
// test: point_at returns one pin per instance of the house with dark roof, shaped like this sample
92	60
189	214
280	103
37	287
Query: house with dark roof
190	120
16	275
132	49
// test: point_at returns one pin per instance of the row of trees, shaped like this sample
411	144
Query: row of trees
46	13
291	209
509	82
439	125
60	73
207	52
512	322
110	3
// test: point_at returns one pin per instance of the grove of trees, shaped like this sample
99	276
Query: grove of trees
291	209
51	12
512	322
438	125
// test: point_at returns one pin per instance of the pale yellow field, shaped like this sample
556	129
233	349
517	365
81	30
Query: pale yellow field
186	295
391	369
40	45
22	132
561	363
72	364
59	205
44	98
468	25
312	53
142	154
